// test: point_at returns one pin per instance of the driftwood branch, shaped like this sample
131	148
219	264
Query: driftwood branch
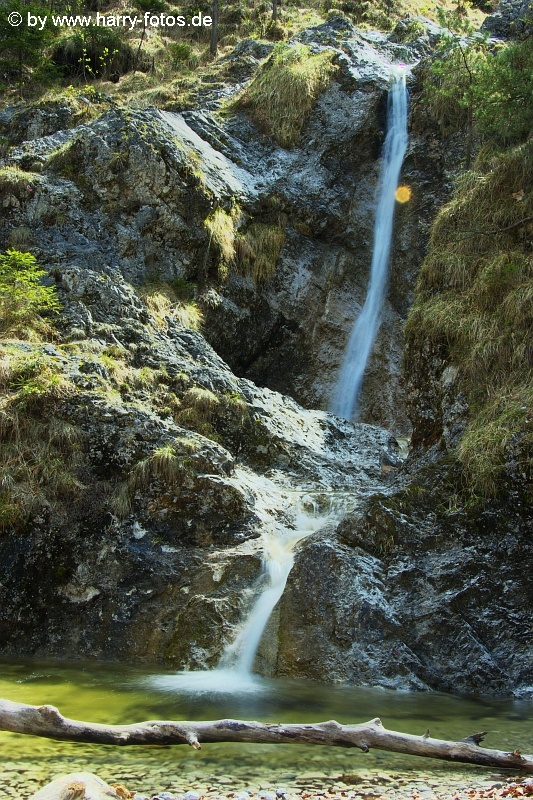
47	721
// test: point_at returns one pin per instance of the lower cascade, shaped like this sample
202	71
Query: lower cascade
234	672
346	396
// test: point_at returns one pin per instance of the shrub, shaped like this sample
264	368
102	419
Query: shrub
180	52
94	52
23	300
504	93
282	94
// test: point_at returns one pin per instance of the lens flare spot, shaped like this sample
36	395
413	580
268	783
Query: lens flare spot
403	194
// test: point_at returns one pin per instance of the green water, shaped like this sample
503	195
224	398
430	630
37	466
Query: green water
119	694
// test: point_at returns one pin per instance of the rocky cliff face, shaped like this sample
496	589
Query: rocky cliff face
291	333
413	592
132	191
152	551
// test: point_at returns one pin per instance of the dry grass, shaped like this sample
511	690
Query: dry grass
164	306
283	92
221	228
258	250
16	182
168	465
475	298
39	452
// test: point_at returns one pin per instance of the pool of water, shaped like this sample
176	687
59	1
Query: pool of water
110	693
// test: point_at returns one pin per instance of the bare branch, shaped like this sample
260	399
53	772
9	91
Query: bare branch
47	721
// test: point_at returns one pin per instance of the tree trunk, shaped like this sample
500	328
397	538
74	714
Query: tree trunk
139	49
47	721
21	72
274	10
214	29
470	132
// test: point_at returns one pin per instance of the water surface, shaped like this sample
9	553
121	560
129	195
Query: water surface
110	693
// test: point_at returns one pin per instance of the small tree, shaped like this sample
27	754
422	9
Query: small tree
22	296
504	94
23	45
146	6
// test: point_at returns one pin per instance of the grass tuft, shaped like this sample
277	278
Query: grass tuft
282	94
164	305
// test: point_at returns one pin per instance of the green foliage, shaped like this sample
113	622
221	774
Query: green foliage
475	302
487	93
180	52
22	47
504	94
282	94
23	300
451	85
93	52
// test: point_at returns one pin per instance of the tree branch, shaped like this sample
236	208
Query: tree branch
47	721
492	233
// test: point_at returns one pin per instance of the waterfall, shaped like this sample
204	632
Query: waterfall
348	388
278	560
234	671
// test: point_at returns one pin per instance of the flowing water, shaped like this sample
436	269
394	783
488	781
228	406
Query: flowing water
346	395
301	517
111	693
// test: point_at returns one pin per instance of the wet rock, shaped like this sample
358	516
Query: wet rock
412	593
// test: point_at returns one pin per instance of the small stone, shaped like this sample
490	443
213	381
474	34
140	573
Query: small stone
191	796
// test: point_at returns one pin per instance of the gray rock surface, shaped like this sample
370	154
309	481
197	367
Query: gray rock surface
410	593
512	19
170	576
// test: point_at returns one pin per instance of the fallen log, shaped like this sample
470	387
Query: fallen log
47	721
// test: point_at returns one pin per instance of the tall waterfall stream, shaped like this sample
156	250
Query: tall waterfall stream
235	669
347	391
